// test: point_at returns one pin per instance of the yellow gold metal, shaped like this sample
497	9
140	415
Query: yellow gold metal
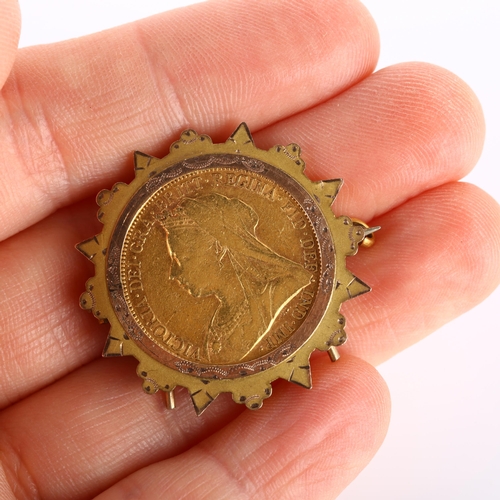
221	267
333	353
369	239
170	400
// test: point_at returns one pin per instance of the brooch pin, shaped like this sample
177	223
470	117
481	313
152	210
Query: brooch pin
221	267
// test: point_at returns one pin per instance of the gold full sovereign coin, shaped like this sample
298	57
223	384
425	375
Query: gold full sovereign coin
221	268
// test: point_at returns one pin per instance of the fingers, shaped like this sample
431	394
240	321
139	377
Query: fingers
312	449
325	436
75	111
402	130
109	428
416	288
44	335
10	29
366	192
437	256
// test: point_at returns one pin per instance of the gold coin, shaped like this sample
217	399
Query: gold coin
220	268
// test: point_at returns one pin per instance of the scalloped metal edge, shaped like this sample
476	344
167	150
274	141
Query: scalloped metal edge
254	388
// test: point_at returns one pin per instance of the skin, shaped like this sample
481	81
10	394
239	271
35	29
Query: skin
73	425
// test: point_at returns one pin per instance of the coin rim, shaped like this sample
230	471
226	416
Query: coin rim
324	246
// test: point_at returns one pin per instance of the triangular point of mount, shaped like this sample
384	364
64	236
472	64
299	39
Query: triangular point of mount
141	160
357	287
301	375
201	399
241	135
89	247
113	347
331	188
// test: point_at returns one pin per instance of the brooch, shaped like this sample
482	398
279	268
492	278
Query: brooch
221	268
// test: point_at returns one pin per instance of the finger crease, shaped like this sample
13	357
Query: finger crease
163	86
19	478
36	143
236	474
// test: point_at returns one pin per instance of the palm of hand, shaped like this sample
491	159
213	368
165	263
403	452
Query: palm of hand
73	425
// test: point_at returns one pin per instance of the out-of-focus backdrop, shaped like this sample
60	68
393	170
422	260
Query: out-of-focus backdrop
444	438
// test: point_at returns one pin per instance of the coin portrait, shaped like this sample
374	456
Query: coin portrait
214	250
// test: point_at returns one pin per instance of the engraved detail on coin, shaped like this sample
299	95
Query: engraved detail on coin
327	277
203	162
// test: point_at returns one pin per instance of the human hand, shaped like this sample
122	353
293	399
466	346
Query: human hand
74	425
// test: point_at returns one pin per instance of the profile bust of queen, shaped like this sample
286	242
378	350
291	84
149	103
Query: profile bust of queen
214	250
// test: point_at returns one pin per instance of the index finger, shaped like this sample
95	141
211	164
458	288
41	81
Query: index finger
72	112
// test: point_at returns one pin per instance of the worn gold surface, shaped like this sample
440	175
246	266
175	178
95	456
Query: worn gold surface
221	268
230	261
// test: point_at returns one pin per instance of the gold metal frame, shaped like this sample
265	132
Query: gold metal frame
339	237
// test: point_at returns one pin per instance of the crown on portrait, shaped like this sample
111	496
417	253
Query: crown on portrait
174	218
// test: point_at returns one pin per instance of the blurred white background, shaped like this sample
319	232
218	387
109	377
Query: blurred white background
444	439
